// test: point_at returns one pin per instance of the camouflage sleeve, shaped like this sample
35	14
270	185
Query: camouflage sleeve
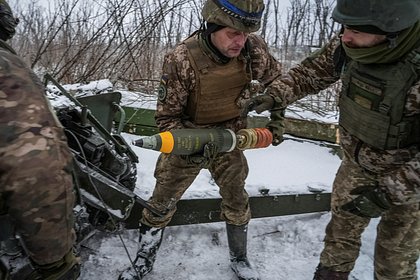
313	74
178	78
35	178
403	183
265	68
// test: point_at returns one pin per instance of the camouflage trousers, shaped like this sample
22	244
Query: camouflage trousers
398	234
37	191
174	175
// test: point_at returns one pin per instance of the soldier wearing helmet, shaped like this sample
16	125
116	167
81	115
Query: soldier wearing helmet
377	58
206	80
36	190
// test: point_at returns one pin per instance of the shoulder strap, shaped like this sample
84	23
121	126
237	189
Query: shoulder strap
247	55
195	53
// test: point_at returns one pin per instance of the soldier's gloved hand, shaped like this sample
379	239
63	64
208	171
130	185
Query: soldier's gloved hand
259	103
66	268
205	159
276	125
370	202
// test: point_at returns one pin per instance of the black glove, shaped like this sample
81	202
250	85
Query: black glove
276	126
251	89
371	202
259	103
205	159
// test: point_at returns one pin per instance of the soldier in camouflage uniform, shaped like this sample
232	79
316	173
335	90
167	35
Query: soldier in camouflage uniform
206	79
36	192
377	57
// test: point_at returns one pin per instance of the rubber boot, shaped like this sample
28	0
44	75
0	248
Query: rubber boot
323	273
149	243
237	240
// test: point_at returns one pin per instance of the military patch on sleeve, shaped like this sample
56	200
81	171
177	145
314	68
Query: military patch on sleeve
162	88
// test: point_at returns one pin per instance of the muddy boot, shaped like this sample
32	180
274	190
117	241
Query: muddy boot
149	242
237	239
323	273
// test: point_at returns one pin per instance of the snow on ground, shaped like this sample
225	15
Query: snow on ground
281	248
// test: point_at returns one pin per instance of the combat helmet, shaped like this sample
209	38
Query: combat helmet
242	15
382	16
8	22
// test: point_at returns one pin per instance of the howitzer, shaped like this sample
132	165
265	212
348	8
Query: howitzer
105	165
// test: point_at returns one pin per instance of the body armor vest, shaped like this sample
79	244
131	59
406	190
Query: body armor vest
218	86
373	100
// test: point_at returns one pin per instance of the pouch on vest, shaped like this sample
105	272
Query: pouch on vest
373	101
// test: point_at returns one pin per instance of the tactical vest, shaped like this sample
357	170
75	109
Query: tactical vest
373	99
218	86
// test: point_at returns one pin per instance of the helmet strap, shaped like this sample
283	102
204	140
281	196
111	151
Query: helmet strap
392	39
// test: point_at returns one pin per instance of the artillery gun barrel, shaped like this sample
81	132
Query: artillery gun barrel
192	141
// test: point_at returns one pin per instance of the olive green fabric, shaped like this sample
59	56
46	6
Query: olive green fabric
242	15
406	41
388	15
276	125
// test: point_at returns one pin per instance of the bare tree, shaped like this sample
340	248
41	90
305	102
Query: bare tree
125	40
265	19
323	27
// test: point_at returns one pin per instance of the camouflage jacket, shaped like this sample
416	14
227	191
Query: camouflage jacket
36	187
179	80
399	169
